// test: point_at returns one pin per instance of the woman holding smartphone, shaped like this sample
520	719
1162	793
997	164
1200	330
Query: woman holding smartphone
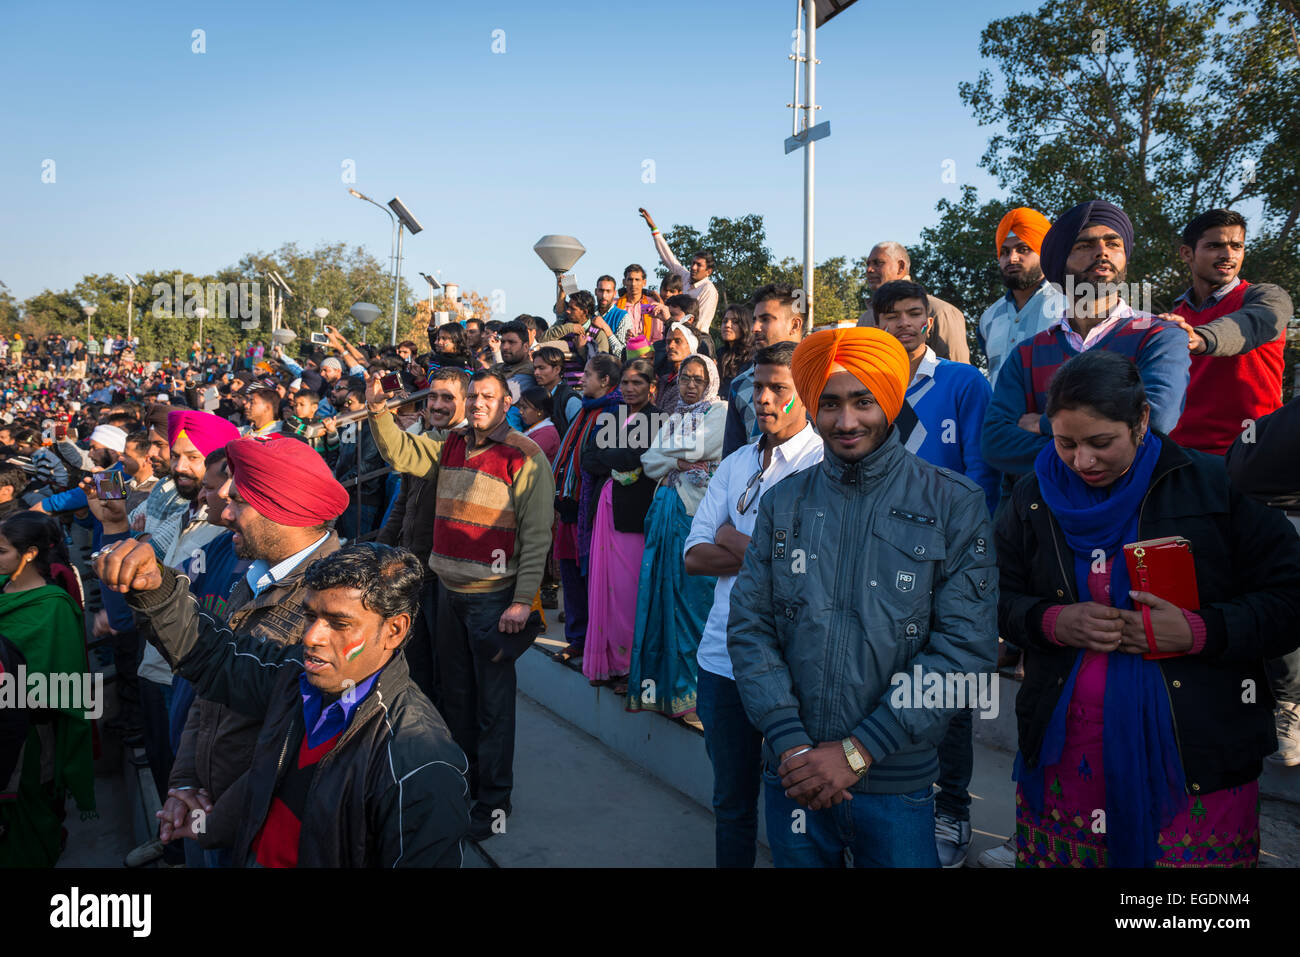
1127	761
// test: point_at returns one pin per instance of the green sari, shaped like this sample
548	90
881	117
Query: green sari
46	626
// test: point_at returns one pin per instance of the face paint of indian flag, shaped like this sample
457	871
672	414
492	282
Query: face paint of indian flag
351	651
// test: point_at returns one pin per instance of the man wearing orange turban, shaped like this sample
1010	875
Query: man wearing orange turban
1026	309
875	362
870	565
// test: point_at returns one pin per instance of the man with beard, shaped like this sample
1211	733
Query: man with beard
281	499
516	368
888	261
1091	244
1022	313
609	317
410	526
107	443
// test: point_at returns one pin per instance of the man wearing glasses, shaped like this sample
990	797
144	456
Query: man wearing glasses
716	545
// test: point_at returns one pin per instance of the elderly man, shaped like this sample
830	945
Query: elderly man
1023	312
1091	245
871	568
281	500
889	261
491	531
392	792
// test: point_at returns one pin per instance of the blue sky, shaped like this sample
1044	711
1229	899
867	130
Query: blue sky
166	158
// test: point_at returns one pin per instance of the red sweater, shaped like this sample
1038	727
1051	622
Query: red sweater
1226	391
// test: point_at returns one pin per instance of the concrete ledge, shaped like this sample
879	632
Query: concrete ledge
670	750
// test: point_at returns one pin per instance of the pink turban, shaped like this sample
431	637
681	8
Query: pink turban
208	432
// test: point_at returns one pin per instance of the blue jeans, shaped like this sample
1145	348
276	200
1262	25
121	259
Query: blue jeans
736	751
882	830
575	601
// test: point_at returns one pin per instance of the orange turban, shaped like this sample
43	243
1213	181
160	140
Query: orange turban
870	355
1028	224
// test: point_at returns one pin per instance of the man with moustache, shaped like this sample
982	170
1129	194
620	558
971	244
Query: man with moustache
410	526
775	320
887	262
1023	312
282	498
870	564
1091	244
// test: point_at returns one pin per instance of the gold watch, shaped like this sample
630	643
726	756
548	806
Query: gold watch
855	758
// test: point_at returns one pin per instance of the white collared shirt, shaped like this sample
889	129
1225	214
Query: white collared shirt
718	507
929	362
1117	315
261	576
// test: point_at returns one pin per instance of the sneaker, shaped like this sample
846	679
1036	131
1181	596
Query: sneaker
1287	719
1004	855
146	853
952	840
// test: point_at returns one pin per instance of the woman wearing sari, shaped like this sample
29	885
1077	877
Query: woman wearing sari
45	624
612	457
575	502
671	606
1127	760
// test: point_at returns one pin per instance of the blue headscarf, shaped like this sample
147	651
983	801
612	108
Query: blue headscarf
1060	238
1145	786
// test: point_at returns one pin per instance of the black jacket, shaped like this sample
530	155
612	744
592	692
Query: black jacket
1268	465
1248	576
361	458
391	793
630	502
410	522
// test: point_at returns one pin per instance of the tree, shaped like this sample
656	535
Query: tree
836	287
1165	108
741	260
956	259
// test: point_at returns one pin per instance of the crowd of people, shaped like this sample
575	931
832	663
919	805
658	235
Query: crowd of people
314	573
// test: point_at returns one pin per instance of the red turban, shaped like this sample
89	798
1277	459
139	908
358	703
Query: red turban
208	432
870	355
1028	224
285	480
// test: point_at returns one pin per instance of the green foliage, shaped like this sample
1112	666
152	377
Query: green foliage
741	260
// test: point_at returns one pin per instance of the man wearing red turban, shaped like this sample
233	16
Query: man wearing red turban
869	571
1023	312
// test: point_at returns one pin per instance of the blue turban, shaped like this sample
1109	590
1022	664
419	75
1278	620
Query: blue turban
1060	238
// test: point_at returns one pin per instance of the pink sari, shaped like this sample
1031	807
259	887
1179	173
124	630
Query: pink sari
611	590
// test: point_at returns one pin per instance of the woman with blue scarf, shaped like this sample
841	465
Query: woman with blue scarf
1126	761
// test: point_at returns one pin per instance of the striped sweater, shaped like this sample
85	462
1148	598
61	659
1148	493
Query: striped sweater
492	519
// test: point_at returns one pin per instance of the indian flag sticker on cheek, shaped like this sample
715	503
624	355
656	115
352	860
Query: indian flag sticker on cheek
351	651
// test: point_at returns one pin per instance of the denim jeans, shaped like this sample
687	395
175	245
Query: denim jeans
882	830
478	695
956	762
420	650
736	751
348	525
575	602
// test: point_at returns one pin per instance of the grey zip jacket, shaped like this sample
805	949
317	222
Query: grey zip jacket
856	574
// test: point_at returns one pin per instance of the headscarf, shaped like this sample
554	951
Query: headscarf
286	480
692	338
208	432
870	355
684	420
1027	224
1060	238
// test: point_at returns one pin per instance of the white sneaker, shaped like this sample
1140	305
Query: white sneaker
1287	719
1004	855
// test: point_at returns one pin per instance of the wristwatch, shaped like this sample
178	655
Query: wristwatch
856	761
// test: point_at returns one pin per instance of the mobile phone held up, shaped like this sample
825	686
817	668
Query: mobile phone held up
109	486
319	339
390	382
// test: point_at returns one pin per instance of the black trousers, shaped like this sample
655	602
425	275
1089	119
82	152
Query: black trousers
478	695
421	648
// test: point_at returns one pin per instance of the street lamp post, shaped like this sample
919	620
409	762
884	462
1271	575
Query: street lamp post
89	310
202	313
392	250
322	314
365	313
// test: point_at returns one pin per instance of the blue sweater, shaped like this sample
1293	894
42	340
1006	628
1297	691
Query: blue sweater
1157	347
950	406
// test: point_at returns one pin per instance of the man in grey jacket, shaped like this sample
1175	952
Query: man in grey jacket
863	617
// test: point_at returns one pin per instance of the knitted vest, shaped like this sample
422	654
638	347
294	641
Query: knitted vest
474	525
1046	352
1225	392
